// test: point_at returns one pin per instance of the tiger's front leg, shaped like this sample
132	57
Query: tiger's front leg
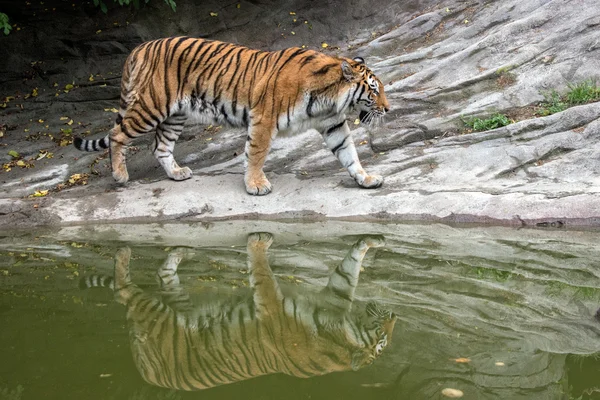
258	144
339	140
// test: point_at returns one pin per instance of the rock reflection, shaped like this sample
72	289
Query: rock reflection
184	345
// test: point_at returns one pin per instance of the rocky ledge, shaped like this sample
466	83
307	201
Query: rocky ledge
442	63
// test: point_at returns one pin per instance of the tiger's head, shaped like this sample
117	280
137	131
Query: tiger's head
379	326
368	94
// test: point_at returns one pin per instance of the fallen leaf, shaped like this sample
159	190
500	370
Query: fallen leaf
111	110
292	13
20	163
363	142
41	121
499	364
64	118
69	86
70	122
462	360
39	193
324	45
91	78
14	154
452	393
214	14
356	121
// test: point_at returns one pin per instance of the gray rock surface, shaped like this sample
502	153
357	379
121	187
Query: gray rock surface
440	61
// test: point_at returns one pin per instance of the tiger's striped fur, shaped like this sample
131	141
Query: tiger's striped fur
290	91
182	346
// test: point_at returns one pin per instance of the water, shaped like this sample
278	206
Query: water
494	313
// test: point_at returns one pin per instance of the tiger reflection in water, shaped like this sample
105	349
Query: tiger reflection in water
182	346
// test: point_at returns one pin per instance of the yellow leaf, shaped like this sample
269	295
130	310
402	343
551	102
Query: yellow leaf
68	86
41	121
98	31
34	92
111	110
20	163
293	33
356	121
363	142
91	78
462	360
238	5
64	118
55	84
70	122
214	14
292	13
40	193
324	45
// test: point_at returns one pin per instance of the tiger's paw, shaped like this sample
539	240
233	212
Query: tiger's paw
258	187
370	181
121	175
181	174
373	241
261	240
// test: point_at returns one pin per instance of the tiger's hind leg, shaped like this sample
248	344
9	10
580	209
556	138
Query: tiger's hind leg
339	140
167	133
122	134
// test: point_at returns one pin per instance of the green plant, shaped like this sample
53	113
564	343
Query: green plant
4	24
495	121
579	93
553	104
583	92
136	4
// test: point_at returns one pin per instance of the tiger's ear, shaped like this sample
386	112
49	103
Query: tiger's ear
359	60
348	71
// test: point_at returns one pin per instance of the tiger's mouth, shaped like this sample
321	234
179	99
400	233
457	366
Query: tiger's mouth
370	117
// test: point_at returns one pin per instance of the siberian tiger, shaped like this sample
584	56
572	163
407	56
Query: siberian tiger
180	345
290	91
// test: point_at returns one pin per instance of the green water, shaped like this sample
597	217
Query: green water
496	313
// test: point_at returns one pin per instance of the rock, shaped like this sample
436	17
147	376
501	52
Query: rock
441	62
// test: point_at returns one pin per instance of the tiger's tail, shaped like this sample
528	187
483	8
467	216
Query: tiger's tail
91	145
95	281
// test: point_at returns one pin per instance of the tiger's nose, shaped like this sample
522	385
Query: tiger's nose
386	109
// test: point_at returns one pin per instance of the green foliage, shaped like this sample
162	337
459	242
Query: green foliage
495	121
580	93
4	24
583	92
552	105
135	3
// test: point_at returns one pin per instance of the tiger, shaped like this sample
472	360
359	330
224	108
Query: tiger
177	344
271	93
